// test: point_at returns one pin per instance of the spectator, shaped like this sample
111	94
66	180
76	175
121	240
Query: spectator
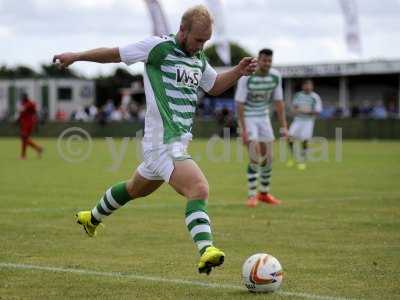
327	112
102	116
379	111
365	109
338	112
108	108
225	120
80	115
117	115
61	116
208	107
133	110
91	112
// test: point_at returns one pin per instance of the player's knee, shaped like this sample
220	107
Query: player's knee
267	160
131	189
199	191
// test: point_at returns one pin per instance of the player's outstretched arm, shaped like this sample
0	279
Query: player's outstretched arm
99	55
227	79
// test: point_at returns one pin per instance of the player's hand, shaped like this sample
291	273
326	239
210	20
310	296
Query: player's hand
284	133
306	111
247	66
62	61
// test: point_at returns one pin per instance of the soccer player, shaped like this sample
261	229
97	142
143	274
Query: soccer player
306	106
27	121
254	96
175	67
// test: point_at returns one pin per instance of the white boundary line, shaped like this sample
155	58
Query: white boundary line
5	265
160	205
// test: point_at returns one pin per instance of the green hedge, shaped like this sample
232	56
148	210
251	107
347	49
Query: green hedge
351	129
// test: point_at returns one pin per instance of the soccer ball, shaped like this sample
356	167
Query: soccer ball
262	273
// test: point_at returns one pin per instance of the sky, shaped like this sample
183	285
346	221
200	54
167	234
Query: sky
300	32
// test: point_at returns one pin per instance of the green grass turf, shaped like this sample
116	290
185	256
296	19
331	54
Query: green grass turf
337	233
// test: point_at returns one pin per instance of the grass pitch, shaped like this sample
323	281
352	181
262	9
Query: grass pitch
337	234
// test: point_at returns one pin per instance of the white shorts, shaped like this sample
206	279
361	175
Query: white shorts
302	129
158	162
259	129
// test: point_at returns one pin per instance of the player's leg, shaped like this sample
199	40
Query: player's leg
29	127
24	134
291	143
290	161
266	150
114	198
252	173
23	147
305	149
303	156
188	180
35	146
305	135
252	166
290	138
121	193
266	155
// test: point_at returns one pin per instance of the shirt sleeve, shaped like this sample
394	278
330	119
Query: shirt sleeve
208	78
241	90
138	52
318	104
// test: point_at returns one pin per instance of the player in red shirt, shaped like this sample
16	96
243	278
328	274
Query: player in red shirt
27	122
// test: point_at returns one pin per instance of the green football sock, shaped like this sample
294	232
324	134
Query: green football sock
252	176
115	197
265	178
198	224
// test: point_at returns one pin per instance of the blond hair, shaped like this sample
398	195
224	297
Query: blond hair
197	14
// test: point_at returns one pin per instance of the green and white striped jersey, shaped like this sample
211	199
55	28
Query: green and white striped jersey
171	81
257	92
310	102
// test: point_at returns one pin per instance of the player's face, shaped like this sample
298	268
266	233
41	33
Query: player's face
264	62
308	87
195	38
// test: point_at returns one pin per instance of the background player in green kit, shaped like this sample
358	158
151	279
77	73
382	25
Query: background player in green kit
175	67
306	105
255	95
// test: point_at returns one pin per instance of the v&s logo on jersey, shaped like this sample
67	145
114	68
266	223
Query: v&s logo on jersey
187	77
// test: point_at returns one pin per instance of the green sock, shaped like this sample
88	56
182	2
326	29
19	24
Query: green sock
265	178
198	224
115	197
252	176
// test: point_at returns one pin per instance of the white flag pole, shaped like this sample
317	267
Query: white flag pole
352	32
160	24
